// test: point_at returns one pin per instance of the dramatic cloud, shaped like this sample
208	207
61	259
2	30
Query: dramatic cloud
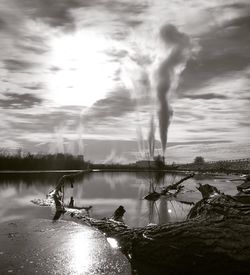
116	104
34	86
224	50
86	70
18	65
205	96
19	101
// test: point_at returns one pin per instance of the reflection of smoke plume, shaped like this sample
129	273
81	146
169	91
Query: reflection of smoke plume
168	74
164	216
151	138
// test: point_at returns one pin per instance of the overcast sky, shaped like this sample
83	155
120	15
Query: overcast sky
80	76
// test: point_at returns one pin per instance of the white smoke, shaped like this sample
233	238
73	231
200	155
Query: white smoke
151	137
168	74
59	141
152	73
80	140
114	158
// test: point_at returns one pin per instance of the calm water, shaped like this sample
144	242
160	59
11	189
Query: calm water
105	192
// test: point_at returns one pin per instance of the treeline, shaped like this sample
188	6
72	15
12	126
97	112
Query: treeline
218	166
130	167
42	162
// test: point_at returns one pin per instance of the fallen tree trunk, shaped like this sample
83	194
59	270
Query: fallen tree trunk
215	238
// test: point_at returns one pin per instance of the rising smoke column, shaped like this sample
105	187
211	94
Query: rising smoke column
140	140
168	73
136	81
80	140
151	137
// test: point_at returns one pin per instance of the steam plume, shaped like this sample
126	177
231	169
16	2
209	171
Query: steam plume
80	140
113	157
59	141
151	138
168	74
140	141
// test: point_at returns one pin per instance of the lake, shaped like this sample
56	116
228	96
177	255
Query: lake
105	191
31	242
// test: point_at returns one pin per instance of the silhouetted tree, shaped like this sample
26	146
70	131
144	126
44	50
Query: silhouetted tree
199	160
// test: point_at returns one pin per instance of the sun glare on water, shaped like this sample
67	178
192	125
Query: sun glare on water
81	72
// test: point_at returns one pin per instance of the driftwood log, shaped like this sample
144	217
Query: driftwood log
214	239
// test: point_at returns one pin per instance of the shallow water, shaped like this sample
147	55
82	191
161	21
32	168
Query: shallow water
105	191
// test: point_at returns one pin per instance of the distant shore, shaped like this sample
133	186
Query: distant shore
134	169
39	171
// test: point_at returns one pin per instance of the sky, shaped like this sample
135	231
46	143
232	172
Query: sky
99	77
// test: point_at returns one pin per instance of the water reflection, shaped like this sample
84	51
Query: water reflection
164	211
113	242
43	247
101	193
80	248
121	188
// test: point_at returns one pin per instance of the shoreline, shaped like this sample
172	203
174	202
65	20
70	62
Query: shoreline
208	172
38	171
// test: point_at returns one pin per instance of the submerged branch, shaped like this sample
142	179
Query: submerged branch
176	185
153	196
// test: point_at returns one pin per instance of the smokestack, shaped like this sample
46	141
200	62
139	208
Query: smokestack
168	74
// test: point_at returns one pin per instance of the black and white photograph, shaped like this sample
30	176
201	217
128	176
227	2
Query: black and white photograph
125	137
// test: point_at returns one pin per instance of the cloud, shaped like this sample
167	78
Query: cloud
2	24
61	13
212	98
187	114
116	54
115	104
206	96
224	50
244	124
215	130
14	65
36	49
55	14
45	121
241	22
210	151
54	69
34	86
19	101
